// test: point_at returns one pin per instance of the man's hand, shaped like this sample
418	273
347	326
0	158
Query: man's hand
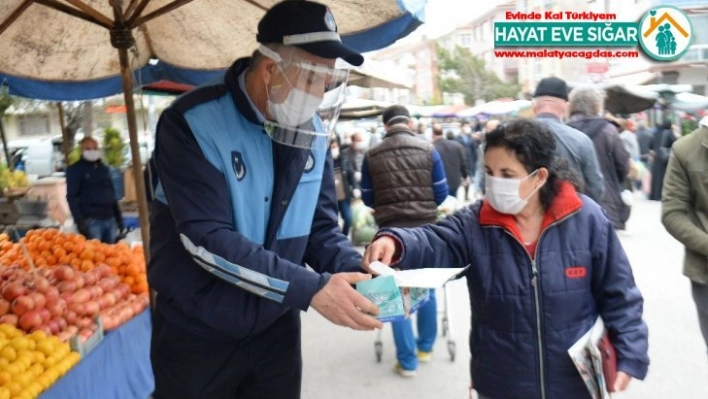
382	250
356	193
341	304
622	381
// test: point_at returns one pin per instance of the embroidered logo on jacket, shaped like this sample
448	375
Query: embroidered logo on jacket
310	163
238	164
576	272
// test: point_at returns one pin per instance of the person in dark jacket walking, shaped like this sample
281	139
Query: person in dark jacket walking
545	263
470	141
659	153
91	195
550	104
245	200
345	184
453	157
403	180
585	106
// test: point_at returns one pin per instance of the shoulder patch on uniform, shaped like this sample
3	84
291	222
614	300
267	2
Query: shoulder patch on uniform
310	164
238	164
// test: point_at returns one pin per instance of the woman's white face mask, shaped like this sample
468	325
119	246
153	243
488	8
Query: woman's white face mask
503	193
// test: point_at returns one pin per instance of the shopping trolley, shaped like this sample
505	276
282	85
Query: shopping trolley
446	327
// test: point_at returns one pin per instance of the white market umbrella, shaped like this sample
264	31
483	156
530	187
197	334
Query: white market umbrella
49	41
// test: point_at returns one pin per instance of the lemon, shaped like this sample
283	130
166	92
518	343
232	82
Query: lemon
14	388
9	331
8	353
14	368
4	393
20	343
3	362
38	335
23	379
25	353
39	357
44	381
5	377
46	346
37	369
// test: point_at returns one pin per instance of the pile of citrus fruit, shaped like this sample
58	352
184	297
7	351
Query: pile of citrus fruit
51	248
29	364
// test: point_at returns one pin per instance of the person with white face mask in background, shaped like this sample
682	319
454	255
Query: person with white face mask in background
245	199
91	195
544	261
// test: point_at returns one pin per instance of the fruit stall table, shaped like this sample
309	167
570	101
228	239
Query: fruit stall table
118	368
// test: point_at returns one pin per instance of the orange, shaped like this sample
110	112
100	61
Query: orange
76	263
132	269
129	280
59	251
140	288
87	254
45	254
44	245
113	262
51	260
64	260
99	257
141	278
68	245
86	265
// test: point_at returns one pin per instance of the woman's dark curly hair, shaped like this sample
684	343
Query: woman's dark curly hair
535	147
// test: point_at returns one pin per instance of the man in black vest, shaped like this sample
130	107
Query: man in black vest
403	179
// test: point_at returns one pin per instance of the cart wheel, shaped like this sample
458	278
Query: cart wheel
444	326
378	349
451	348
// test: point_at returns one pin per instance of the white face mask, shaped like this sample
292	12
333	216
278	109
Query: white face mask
503	194
361	146
91	155
297	108
335	153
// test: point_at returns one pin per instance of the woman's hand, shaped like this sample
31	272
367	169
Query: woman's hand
622	381
382	250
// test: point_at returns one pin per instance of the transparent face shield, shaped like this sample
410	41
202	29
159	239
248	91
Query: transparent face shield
300	90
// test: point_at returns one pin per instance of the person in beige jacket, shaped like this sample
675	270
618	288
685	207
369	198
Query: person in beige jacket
684	211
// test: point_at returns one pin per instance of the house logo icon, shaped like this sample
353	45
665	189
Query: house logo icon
666	33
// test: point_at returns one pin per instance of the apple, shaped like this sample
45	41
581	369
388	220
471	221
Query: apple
9	319
22	304
39	299
30	320
4	307
56	307
13	290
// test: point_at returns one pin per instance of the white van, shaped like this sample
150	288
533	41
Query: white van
41	157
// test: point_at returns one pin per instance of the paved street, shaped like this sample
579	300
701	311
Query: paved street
340	363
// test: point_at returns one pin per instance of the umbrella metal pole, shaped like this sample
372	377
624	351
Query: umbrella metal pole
135	150
64	136
10	164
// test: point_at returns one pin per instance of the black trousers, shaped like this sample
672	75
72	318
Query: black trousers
189	366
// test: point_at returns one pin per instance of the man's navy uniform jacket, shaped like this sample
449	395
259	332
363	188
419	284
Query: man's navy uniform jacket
237	216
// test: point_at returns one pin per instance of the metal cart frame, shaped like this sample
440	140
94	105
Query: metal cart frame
446	327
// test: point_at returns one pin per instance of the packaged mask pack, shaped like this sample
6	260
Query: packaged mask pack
398	294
